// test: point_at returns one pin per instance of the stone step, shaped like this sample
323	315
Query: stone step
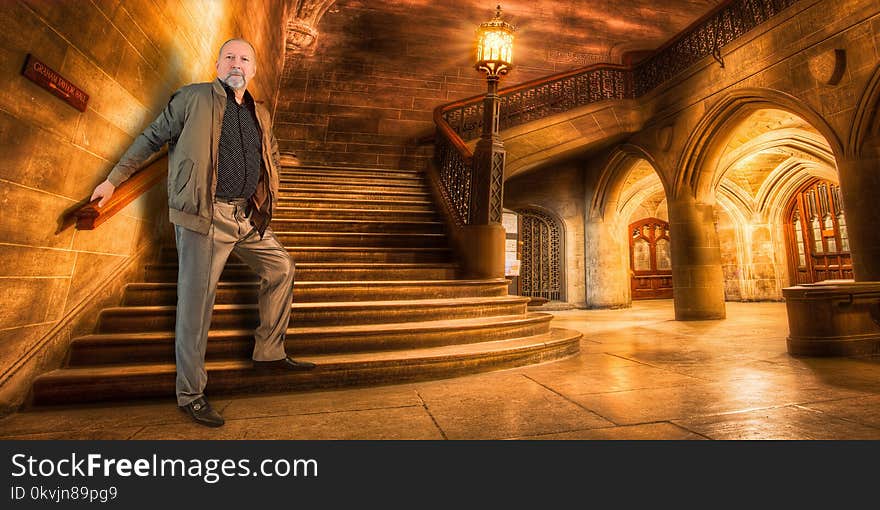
324	254
329	226
165	293
376	301
350	180
376	203
286	212
412	180
157	347
121	382
323	271
349	170
367	239
351	193
132	319
392	255
351	187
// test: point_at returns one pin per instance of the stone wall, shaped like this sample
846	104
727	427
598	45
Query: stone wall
129	57
731	255
753	258
367	92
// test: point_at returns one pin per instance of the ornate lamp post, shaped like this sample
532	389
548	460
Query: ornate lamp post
494	56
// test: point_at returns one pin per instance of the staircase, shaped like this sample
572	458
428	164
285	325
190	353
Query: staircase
377	300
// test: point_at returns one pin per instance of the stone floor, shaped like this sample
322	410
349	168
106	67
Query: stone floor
639	375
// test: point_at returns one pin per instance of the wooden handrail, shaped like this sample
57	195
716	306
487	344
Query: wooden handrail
88	216
453	137
445	130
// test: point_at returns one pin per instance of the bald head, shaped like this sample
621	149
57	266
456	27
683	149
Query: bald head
239	40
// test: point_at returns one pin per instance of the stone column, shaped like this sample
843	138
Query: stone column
607	265
697	277
860	185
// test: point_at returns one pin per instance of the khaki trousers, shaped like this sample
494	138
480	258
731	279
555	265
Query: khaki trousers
201	259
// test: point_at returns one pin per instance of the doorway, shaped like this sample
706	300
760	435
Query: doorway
650	259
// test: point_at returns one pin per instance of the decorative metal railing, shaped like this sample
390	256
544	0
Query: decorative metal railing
543	97
455	177
706	37
536	99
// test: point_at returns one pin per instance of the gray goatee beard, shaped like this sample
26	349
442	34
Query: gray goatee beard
235	81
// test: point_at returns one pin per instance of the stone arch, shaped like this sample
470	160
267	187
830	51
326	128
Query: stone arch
607	268
611	179
784	182
707	141
798	143
632	199
860	182
866	119
722	140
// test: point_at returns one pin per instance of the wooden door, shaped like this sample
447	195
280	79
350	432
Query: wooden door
818	241
650	259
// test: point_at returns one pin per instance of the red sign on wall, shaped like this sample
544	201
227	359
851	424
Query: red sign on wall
49	79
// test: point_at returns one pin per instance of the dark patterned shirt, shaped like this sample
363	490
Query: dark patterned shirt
240	153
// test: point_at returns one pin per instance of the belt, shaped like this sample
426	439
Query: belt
233	201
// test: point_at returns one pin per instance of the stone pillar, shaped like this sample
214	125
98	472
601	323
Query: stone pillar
607	265
697	277
860	185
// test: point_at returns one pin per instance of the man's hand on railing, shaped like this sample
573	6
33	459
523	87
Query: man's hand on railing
103	191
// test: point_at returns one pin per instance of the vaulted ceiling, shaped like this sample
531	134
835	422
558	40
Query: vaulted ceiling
583	32
568	34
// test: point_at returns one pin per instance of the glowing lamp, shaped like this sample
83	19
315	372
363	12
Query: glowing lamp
495	46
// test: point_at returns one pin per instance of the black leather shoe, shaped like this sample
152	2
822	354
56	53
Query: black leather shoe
202	413
284	364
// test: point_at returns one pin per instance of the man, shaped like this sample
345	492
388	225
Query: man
223	166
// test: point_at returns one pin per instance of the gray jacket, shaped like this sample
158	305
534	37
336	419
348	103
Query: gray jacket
191	125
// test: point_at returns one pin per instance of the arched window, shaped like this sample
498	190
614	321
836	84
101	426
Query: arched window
818	242
541	265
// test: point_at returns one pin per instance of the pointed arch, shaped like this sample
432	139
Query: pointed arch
796	142
784	182
866	118
611	179
704	146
